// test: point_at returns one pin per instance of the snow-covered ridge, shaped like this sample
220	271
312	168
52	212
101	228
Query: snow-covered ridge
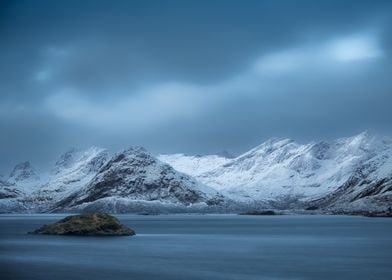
348	173
194	165
72	170
137	175
281	169
23	172
79	179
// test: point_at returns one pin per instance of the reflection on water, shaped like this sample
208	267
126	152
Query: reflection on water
203	247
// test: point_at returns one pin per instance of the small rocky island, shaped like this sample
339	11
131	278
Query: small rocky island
96	224
260	213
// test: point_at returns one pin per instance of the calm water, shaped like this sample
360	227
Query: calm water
191	247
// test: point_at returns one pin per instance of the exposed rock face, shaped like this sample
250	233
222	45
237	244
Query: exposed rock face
348	175
86	224
353	173
135	174
8	190
72	172
382	214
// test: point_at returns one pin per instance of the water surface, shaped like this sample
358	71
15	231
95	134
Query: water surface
189	247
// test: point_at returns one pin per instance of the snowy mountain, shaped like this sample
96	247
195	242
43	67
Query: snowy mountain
347	175
73	170
8	190
93	178
23	172
369	188
136	175
194	165
9	194
282	171
284	168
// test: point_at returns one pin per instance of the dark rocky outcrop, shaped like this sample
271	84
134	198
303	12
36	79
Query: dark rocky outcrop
311	208
134	174
386	214
86	224
260	213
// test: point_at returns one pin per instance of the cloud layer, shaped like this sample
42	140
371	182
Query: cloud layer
185	77
152	106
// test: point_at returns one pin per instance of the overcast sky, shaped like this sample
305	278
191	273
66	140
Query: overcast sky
189	76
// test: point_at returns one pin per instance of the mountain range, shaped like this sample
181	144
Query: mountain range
347	175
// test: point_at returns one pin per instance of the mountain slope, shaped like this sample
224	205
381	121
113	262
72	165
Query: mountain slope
347	175
23	171
71	172
136	175
369	188
194	165
282	171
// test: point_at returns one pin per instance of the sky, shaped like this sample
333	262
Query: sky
187	76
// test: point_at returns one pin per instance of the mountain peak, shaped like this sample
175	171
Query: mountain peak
135	174
133	155
67	158
364	135
23	171
135	150
360	143
75	157
268	147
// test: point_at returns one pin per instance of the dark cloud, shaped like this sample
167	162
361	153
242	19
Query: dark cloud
191	76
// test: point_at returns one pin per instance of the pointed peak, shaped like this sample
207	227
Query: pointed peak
364	134
131	152
75	157
23	164
95	149
358	139
22	171
68	157
135	150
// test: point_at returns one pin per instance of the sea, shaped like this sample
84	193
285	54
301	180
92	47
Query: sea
190	247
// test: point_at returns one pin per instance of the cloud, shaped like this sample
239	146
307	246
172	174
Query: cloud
163	103
330	53
355	48
53	61
188	77
144	109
